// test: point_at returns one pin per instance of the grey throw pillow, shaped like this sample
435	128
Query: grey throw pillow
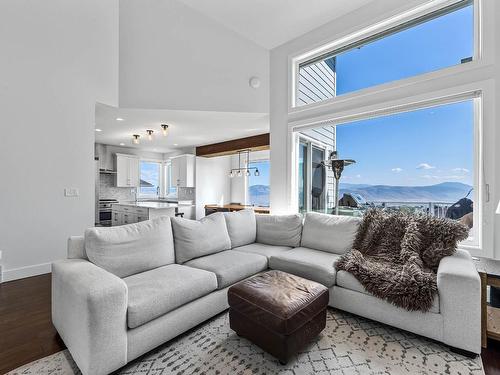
280	230
194	239
133	248
331	233
241	227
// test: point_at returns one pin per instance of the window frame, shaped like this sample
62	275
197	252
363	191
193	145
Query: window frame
483	94
354	37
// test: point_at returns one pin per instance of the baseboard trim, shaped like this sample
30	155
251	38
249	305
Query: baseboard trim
28	271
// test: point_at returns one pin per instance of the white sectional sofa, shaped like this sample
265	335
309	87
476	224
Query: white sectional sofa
125	290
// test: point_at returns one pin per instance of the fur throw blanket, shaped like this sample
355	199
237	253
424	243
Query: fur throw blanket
395	255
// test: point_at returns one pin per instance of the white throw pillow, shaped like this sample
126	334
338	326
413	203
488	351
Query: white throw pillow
331	233
196	238
280	230
133	248
241	227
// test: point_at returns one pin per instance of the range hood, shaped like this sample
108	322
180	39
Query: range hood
104	158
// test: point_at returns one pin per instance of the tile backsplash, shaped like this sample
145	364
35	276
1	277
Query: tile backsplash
108	190
186	193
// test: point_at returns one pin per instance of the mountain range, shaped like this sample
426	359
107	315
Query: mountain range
448	192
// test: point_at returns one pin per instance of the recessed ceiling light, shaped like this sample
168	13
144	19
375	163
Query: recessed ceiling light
122	144
98	130
175	144
119	119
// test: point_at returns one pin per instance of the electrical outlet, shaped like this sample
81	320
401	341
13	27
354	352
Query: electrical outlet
71	192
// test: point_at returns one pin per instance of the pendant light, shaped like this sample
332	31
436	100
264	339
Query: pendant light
257	173
164	129
135	139
150	134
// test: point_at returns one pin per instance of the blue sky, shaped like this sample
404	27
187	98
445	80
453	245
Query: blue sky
263	178
424	147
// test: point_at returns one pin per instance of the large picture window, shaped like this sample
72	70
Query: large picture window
422	160
428	43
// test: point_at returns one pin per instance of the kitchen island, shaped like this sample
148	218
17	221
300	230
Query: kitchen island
134	212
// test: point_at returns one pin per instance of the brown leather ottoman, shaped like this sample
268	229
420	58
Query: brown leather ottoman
278	311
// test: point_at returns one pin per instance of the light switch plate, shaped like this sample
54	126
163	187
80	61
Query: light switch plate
71	192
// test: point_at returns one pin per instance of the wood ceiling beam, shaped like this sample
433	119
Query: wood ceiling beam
253	143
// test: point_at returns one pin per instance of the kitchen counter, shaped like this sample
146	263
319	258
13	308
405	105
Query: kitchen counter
152	205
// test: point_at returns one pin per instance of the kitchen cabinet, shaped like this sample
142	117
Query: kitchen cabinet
182	170
127	170
129	213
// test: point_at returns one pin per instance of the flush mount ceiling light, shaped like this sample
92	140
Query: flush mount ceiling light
150	134
239	171
98	130
135	139
119	119
122	144
164	129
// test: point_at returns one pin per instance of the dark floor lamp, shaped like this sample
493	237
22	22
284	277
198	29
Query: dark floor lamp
338	166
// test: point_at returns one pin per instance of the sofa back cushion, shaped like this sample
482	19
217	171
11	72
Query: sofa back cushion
241	227
331	233
197	238
133	248
281	230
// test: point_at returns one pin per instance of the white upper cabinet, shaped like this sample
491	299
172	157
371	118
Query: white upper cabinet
127	170
183	170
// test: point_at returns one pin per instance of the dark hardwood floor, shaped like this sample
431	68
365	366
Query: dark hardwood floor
27	333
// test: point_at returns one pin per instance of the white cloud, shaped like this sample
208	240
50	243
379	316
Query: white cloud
425	166
462	170
397	170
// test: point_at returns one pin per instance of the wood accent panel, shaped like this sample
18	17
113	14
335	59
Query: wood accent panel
253	143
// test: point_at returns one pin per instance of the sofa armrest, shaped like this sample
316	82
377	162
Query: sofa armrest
89	310
459	288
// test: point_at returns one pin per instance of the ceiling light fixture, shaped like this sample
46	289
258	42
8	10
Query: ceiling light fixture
164	128
119	119
122	144
150	134
98	130
241	166
135	139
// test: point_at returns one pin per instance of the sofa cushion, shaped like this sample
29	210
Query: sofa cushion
132	248
280	230
263	249
308	263
331	233
230	266
154	293
194	239
347	280
241	227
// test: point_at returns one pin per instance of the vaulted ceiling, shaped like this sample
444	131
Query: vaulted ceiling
271	23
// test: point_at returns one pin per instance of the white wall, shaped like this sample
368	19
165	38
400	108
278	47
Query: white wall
212	182
373	12
58	58
173	57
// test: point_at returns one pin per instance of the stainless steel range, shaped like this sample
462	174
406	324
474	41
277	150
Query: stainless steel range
105	211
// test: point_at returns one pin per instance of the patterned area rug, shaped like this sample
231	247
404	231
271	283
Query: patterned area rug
348	345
